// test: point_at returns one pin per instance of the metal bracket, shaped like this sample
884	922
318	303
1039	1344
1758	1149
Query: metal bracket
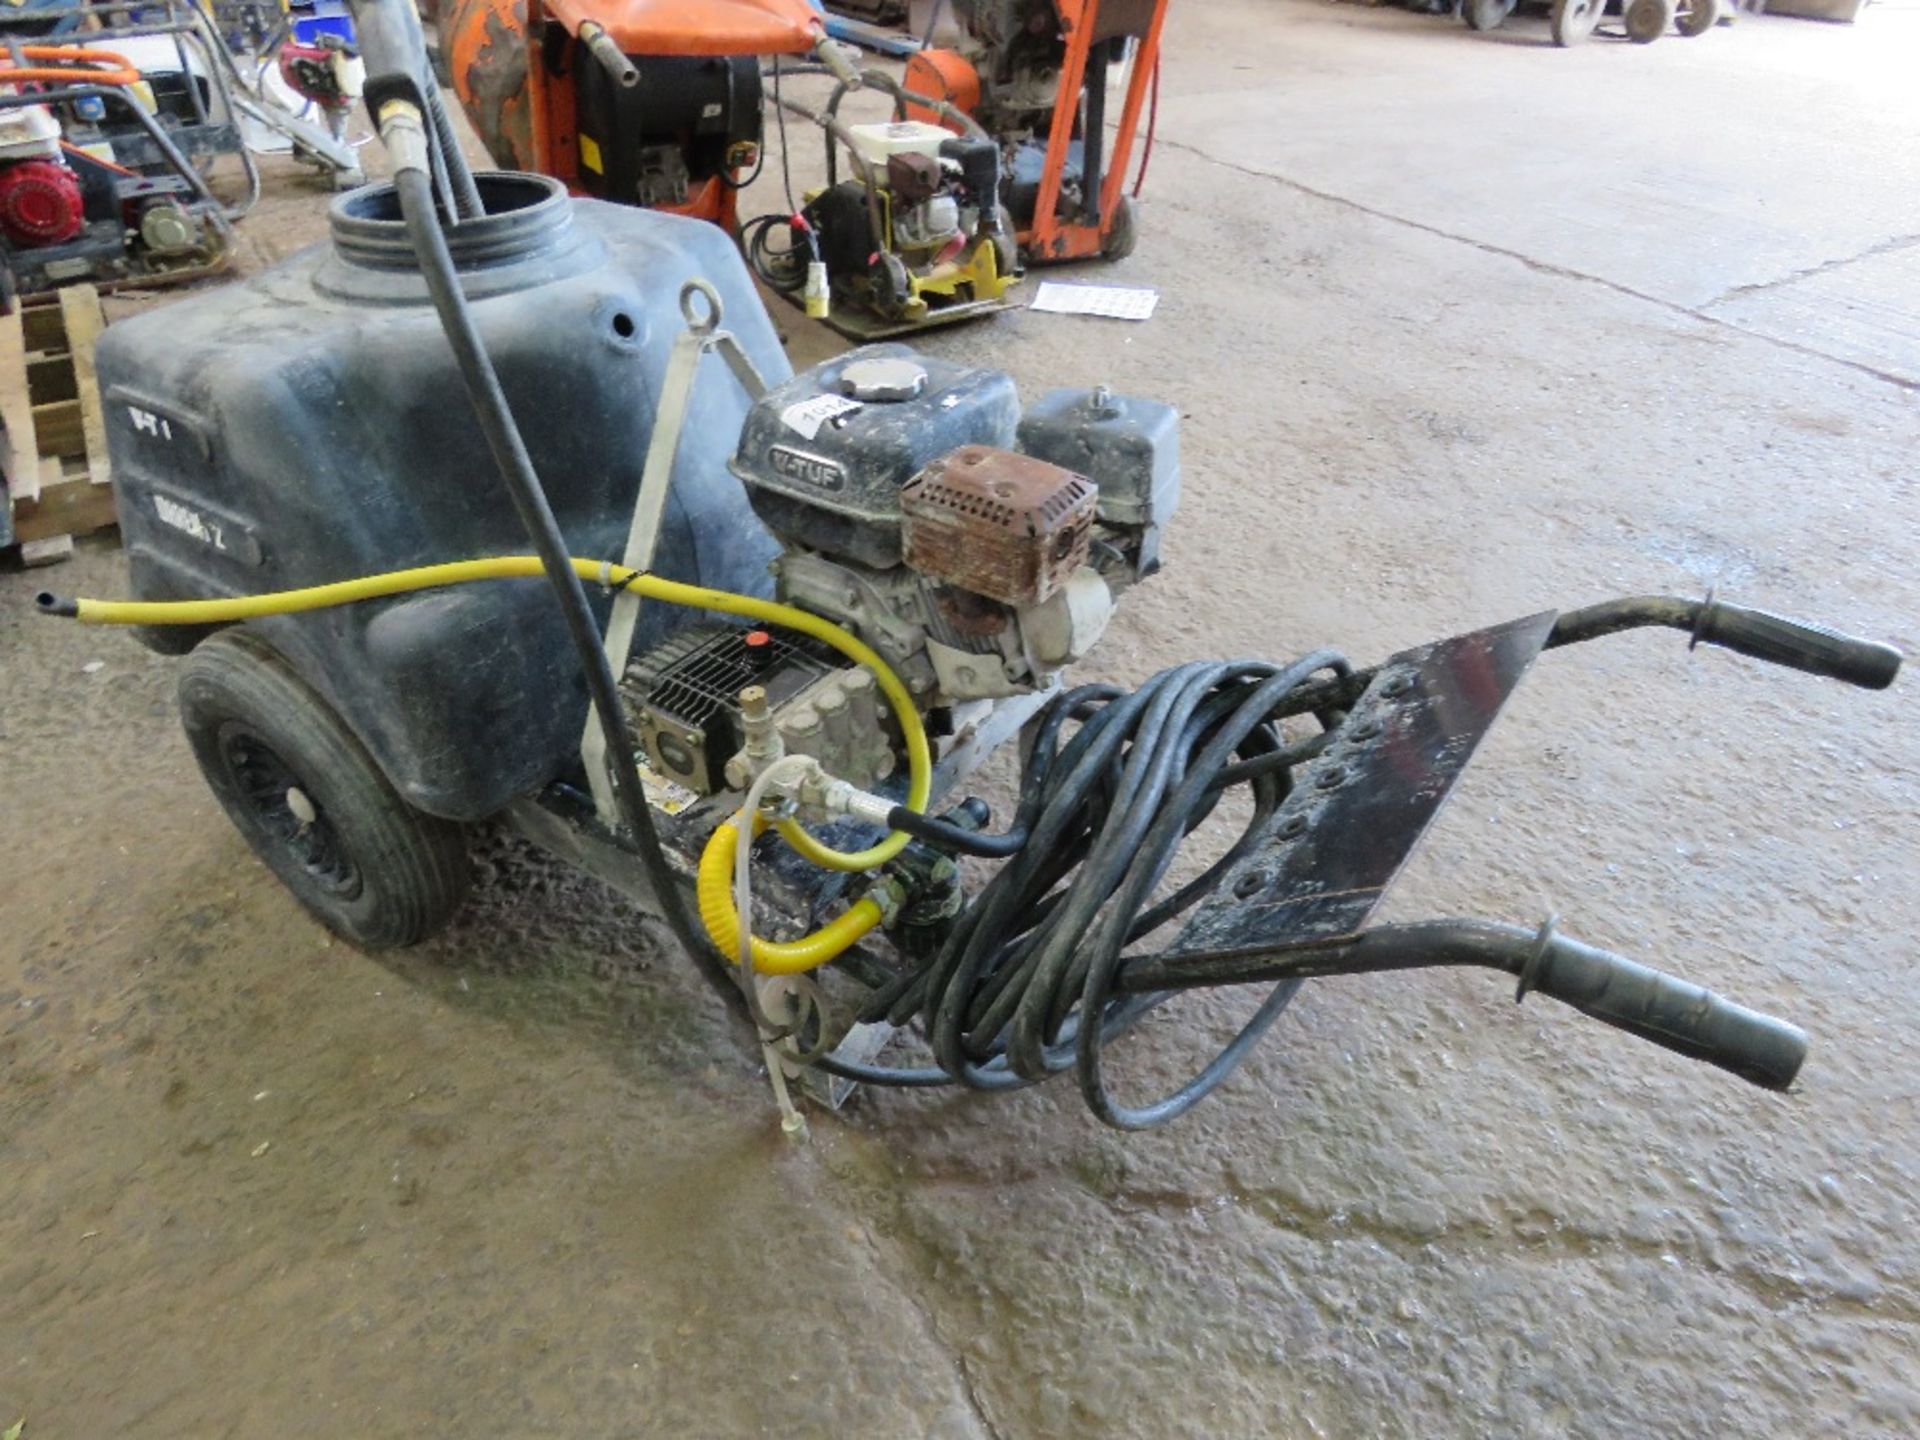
703	333
861	1045
980	738
1358	809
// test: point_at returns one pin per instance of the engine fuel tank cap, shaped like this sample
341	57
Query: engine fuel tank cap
883	377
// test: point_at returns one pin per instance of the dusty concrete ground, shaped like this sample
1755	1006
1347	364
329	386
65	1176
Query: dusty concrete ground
1462	327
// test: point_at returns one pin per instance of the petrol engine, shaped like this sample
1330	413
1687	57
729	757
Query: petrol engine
916	233
978	549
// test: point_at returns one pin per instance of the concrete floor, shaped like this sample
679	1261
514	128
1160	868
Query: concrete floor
1461	327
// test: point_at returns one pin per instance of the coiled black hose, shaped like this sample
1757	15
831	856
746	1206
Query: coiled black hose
1024	988
1034	977
785	269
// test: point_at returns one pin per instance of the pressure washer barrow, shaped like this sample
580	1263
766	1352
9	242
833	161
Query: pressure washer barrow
835	592
1038	972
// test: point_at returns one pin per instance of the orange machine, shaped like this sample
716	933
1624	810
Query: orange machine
1034	74
648	102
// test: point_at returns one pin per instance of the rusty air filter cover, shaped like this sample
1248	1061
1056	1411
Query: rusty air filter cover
1002	525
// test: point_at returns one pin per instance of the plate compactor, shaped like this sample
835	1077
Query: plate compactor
731	638
915	236
996	157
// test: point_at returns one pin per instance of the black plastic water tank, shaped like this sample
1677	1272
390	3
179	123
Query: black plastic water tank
308	425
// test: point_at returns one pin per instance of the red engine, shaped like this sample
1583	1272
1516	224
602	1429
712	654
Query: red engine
310	71
40	203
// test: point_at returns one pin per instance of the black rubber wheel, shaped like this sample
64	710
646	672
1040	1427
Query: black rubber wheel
1486	14
302	790
1696	17
1573	20
891	285
1121	236
1006	245
1647	20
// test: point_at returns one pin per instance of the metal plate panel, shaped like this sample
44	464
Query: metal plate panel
1359	808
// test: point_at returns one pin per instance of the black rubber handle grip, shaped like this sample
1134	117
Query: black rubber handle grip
1667	1011
1799	644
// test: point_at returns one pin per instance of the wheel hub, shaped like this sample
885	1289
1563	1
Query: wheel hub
288	814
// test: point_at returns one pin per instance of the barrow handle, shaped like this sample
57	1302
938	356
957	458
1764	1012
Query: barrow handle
1798	644
1657	1007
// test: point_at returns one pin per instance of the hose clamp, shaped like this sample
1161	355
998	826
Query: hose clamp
1700	619
1530	971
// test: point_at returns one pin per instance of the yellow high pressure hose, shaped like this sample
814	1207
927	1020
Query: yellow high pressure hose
712	889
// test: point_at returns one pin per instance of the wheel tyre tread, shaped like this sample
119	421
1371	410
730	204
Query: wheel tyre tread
1648	20
413	866
1122	235
1700	17
1570	30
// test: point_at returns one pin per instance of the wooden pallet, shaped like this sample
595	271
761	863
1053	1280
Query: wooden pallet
56	433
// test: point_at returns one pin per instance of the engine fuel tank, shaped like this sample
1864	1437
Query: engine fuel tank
826	454
309	425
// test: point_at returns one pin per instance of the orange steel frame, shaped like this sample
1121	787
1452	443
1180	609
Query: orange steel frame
555	137
550	108
557	143
1051	238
